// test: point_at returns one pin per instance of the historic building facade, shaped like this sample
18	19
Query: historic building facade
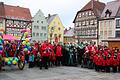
14	18
109	24
55	28
86	22
69	35
39	27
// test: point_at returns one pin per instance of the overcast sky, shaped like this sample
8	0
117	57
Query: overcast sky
66	9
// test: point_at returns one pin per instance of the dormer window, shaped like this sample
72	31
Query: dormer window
108	13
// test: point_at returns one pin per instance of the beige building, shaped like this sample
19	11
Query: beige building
69	36
109	24
86	22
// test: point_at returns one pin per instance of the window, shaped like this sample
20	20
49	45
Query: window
43	28
55	35
79	23
105	34
59	28
101	34
38	21
85	33
7	25
33	33
118	23
52	28
51	35
13	29
110	33
117	33
42	22
92	22
87	22
45	34
83	14
88	32
92	32
37	34
18	25
95	21
92	13
108	13
86	14
41	34
89	13
15	25
59	35
37	27
76	24
83	23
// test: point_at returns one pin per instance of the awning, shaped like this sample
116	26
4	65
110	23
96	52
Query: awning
8	37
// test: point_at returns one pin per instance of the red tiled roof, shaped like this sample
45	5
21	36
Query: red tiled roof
96	6
16	12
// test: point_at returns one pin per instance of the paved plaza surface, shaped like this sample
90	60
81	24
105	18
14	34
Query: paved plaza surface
56	73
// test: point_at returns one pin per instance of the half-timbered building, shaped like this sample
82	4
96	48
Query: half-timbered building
86	22
14	18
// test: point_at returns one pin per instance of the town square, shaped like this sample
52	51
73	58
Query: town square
54	40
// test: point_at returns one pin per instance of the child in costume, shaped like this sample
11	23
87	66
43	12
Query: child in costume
31	60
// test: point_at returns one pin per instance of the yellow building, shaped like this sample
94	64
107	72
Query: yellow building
55	28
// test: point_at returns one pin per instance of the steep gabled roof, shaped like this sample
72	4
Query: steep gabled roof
96	6
113	6
16	12
50	18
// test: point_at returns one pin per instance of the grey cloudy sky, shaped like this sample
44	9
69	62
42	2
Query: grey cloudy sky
66	9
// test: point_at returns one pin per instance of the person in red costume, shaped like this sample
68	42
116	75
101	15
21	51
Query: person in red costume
115	63
118	57
108	61
45	53
58	55
95	61
35	50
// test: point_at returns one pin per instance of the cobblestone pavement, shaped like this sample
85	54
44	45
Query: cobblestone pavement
56	73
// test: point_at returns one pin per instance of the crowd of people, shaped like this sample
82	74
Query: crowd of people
47	55
101	58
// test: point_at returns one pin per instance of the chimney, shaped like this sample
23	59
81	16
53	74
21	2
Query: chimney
49	15
1	3
2	11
